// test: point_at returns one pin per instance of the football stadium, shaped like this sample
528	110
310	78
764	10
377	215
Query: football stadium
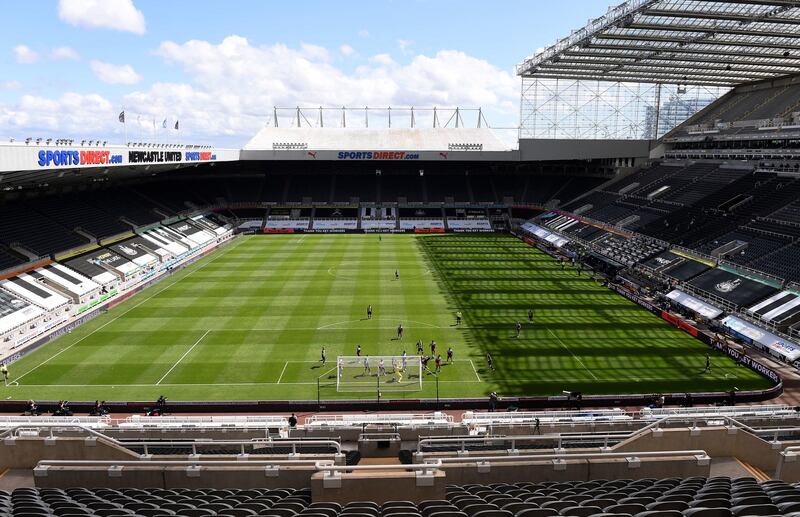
601	319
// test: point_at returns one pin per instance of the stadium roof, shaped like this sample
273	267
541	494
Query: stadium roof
692	42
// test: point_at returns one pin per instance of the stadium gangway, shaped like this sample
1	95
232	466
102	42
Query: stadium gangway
773	410
379	418
511	417
257	421
97	422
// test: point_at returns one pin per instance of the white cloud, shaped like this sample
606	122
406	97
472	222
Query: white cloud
119	15
363	33
25	55
60	53
114	74
314	52
70	114
233	85
404	45
10	85
347	50
382	60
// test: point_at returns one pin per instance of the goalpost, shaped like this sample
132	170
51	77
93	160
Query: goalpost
390	373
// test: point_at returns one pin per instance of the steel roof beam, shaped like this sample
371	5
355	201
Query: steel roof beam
770	69
742	77
684	50
776	3
633	79
720	15
729	59
706	41
710	30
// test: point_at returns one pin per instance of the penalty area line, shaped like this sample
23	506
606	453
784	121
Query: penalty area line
475	370
182	357
282	372
571	353
109	322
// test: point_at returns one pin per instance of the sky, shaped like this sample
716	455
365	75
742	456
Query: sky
69	67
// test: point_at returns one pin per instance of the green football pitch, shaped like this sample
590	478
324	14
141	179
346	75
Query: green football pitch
248	323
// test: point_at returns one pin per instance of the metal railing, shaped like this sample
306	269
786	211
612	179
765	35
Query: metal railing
295	444
513	440
181	463
330	470
380	418
700	454
242	445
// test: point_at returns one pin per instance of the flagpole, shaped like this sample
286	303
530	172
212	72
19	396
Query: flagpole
125	125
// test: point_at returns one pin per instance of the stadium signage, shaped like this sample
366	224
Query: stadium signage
154	156
71	158
632	297
198	156
747	361
376	155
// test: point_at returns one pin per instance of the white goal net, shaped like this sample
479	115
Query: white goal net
386	373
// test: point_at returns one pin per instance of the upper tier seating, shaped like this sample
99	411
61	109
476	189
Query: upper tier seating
36	232
73	213
9	259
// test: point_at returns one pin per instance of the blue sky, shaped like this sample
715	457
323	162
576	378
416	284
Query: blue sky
70	65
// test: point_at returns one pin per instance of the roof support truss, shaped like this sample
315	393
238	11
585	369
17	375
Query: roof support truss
724	42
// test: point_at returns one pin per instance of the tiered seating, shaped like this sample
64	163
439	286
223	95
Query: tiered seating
36	232
690	497
455	186
238	189
9	259
790	213
642	178
363	187
171	194
510	186
769	227
71	213
315	186
597	200
123	203
611	214
628	251
758	245
783	264
542	188
157	502
394	186
679	497
482	188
